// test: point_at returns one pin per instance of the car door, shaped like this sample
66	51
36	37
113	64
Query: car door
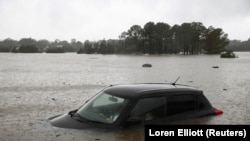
149	108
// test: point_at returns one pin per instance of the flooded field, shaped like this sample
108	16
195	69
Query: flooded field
34	87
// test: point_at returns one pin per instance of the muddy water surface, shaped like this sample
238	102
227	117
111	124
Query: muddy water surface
34	87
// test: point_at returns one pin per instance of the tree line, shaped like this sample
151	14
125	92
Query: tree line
29	45
188	38
152	38
237	45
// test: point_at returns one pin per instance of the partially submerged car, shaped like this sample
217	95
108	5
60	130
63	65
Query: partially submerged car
138	104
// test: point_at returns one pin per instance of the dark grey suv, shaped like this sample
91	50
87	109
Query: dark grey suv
138	104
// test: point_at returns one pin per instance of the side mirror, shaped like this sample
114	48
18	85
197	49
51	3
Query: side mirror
133	121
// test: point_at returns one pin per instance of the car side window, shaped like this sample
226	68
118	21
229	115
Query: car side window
181	103
149	108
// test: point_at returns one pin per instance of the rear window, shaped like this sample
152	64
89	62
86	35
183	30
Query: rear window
181	103
159	107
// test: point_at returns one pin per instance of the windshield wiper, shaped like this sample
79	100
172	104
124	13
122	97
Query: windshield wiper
79	118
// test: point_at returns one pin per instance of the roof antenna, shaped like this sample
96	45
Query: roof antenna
176	81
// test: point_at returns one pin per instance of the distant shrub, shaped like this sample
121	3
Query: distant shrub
4	49
228	54
55	50
28	49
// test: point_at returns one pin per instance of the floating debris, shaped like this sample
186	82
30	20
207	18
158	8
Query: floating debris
53	99
215	67
147	65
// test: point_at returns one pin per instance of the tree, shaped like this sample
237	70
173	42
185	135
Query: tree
110	45
198	31
56	47
134	36
216	40
148	36
103	47
67	47
185	37
73	44
28	45
175	35
237	45
42	45
190	37
78	45
88	49
27	41
28	49
120	48
8	45
162	37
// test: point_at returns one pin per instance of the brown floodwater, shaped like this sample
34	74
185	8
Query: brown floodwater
34	87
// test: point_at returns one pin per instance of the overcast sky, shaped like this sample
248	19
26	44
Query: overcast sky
106	19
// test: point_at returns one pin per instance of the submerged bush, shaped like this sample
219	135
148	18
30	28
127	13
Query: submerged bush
228	54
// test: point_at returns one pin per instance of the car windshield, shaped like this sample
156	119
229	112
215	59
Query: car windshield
104	108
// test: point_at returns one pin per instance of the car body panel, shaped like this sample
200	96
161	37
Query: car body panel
137	92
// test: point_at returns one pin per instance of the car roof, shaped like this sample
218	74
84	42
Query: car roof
141	89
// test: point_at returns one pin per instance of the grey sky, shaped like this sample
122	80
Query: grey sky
99	19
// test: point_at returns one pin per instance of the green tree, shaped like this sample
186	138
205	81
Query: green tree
120	48
175	35
67	47
78	45
103	47
88	49
149	38
111	46
238	45
28	45
215	40
134	36
73	44
27	41
7	45
56	47
28	49
42	45
198	31
185	37
162	37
